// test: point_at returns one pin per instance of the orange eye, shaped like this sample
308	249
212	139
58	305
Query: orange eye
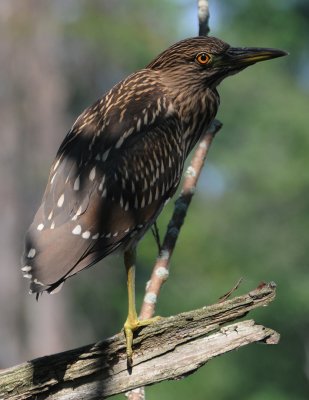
203	58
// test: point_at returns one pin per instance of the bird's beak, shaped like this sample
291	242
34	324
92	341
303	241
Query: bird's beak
241	57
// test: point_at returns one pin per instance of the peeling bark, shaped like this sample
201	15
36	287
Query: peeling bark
169	349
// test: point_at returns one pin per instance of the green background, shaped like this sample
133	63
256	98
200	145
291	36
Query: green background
249	217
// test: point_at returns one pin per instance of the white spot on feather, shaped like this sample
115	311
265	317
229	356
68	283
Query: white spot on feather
53	177
26	268
143	202
50	215
170	109
96	236
157	193
76	183
145	119
31	253
119	142
40	227
92	174
151	165
78	213
102	183
128	132
60	200
105	155
56	165
77	230
39	283
86	235
150	197
158	105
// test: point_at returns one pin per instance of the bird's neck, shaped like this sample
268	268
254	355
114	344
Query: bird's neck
197	109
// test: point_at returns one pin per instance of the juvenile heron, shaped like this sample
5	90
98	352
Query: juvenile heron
123	159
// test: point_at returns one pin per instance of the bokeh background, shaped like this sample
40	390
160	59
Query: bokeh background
248	219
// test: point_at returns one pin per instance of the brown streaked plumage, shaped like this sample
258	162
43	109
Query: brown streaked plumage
123	158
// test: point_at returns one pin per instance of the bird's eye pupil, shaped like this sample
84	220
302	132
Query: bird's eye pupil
203	58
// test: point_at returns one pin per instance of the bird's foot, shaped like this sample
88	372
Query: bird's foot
130	326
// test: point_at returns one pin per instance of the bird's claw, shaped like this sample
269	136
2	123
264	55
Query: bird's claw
130	326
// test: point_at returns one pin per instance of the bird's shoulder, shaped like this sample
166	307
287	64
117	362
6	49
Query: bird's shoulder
139	103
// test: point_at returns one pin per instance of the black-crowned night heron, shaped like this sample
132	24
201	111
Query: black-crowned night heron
123	159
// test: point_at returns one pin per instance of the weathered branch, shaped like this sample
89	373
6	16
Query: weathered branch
169	349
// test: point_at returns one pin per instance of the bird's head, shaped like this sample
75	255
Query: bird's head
206	61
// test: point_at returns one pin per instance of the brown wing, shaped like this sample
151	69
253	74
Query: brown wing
111	178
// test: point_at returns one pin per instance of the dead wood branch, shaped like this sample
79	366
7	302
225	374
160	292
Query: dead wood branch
169	349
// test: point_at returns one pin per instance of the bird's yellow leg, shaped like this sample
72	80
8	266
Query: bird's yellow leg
132	322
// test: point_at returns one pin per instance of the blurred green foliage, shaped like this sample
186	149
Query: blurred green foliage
250	216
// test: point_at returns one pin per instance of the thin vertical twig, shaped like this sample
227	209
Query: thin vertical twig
203	17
